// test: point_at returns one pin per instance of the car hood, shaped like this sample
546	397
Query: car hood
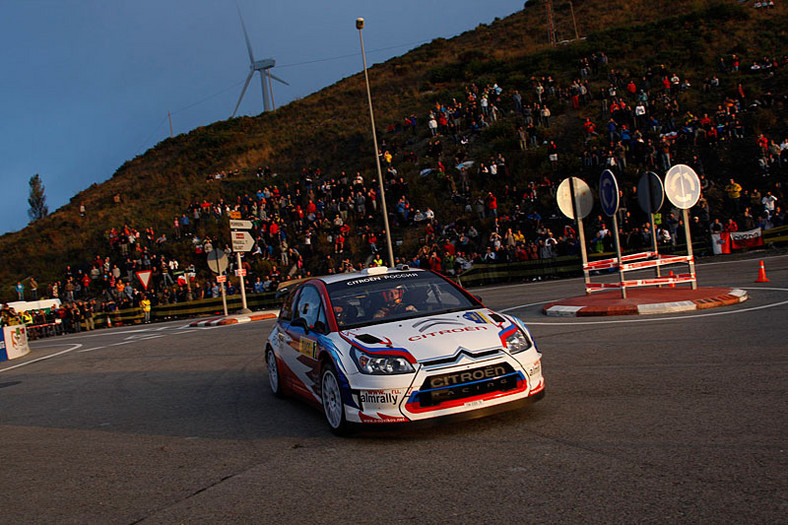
436	336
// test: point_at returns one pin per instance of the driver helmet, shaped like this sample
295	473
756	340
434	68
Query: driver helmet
393	295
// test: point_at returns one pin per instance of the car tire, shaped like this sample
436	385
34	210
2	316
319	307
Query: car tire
331	397
274	378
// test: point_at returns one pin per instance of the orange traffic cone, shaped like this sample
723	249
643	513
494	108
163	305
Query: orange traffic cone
672	284
762	275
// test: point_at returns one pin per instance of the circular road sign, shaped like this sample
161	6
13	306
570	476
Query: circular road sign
682	186
217	261
608	193
651	192
584	201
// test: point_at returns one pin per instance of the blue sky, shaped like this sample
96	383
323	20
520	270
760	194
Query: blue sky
86	84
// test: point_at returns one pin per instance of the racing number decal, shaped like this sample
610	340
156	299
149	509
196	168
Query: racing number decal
308	347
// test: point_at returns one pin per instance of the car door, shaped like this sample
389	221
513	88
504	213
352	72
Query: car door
304	330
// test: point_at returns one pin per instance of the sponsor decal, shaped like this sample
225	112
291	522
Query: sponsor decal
18	337
375	278
379	397
308	347
445	332
381	418
426	324
467	376
477	317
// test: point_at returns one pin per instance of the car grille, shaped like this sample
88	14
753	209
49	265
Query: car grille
444	388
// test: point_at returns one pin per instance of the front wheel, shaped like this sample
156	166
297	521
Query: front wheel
333	407
274	380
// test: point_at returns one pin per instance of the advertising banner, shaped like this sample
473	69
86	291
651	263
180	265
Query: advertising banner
13	343
726	241
748	239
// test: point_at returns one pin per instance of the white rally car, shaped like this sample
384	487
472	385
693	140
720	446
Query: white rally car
398	345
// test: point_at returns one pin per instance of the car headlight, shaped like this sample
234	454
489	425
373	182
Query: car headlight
381	365
518	342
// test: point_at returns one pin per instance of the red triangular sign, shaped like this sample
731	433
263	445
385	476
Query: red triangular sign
144	278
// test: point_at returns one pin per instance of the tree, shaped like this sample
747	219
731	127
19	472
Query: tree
37	199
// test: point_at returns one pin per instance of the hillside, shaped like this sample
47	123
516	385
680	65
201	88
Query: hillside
329	130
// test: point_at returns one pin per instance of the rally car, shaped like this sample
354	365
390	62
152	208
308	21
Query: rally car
389	345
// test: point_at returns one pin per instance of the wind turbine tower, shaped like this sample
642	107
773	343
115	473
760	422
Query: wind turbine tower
264	67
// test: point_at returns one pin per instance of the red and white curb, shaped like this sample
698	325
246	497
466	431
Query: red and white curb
234	319
733	297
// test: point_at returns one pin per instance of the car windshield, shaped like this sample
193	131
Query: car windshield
394	296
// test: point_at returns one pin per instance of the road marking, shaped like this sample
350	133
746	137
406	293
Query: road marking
20	365
91	349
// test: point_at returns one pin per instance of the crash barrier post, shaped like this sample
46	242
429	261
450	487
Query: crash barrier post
641	261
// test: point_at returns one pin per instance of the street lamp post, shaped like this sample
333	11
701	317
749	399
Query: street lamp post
360	26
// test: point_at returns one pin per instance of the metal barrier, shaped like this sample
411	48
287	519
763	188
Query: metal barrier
212	306
641	261
555	268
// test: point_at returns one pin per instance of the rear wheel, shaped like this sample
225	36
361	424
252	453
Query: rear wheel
274	379
333	407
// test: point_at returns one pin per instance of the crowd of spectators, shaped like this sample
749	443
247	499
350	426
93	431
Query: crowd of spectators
321	223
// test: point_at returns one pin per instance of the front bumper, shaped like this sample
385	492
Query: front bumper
473	389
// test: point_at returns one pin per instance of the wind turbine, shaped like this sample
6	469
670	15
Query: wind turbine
264	67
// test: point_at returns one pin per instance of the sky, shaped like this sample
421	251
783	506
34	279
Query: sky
86	85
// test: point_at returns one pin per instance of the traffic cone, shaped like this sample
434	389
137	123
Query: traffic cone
762	275
672	284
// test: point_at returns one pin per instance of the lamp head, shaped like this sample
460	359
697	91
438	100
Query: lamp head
359	23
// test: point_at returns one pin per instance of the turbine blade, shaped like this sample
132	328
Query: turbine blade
243	92
278	79
246	35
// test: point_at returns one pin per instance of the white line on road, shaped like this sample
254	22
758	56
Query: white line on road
73	347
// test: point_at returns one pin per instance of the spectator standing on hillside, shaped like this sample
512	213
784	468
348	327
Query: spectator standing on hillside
733	192
491	203
769	201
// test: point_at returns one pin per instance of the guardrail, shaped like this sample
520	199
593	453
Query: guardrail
212	306
776	235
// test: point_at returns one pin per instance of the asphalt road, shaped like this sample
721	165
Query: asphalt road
669	418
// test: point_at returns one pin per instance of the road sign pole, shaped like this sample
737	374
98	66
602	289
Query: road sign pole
618	255
581	234
224	296
682	186
654	242
648	189
689	248
244	309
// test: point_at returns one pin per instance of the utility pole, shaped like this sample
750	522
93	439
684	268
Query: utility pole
550	22
169	116
574	21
